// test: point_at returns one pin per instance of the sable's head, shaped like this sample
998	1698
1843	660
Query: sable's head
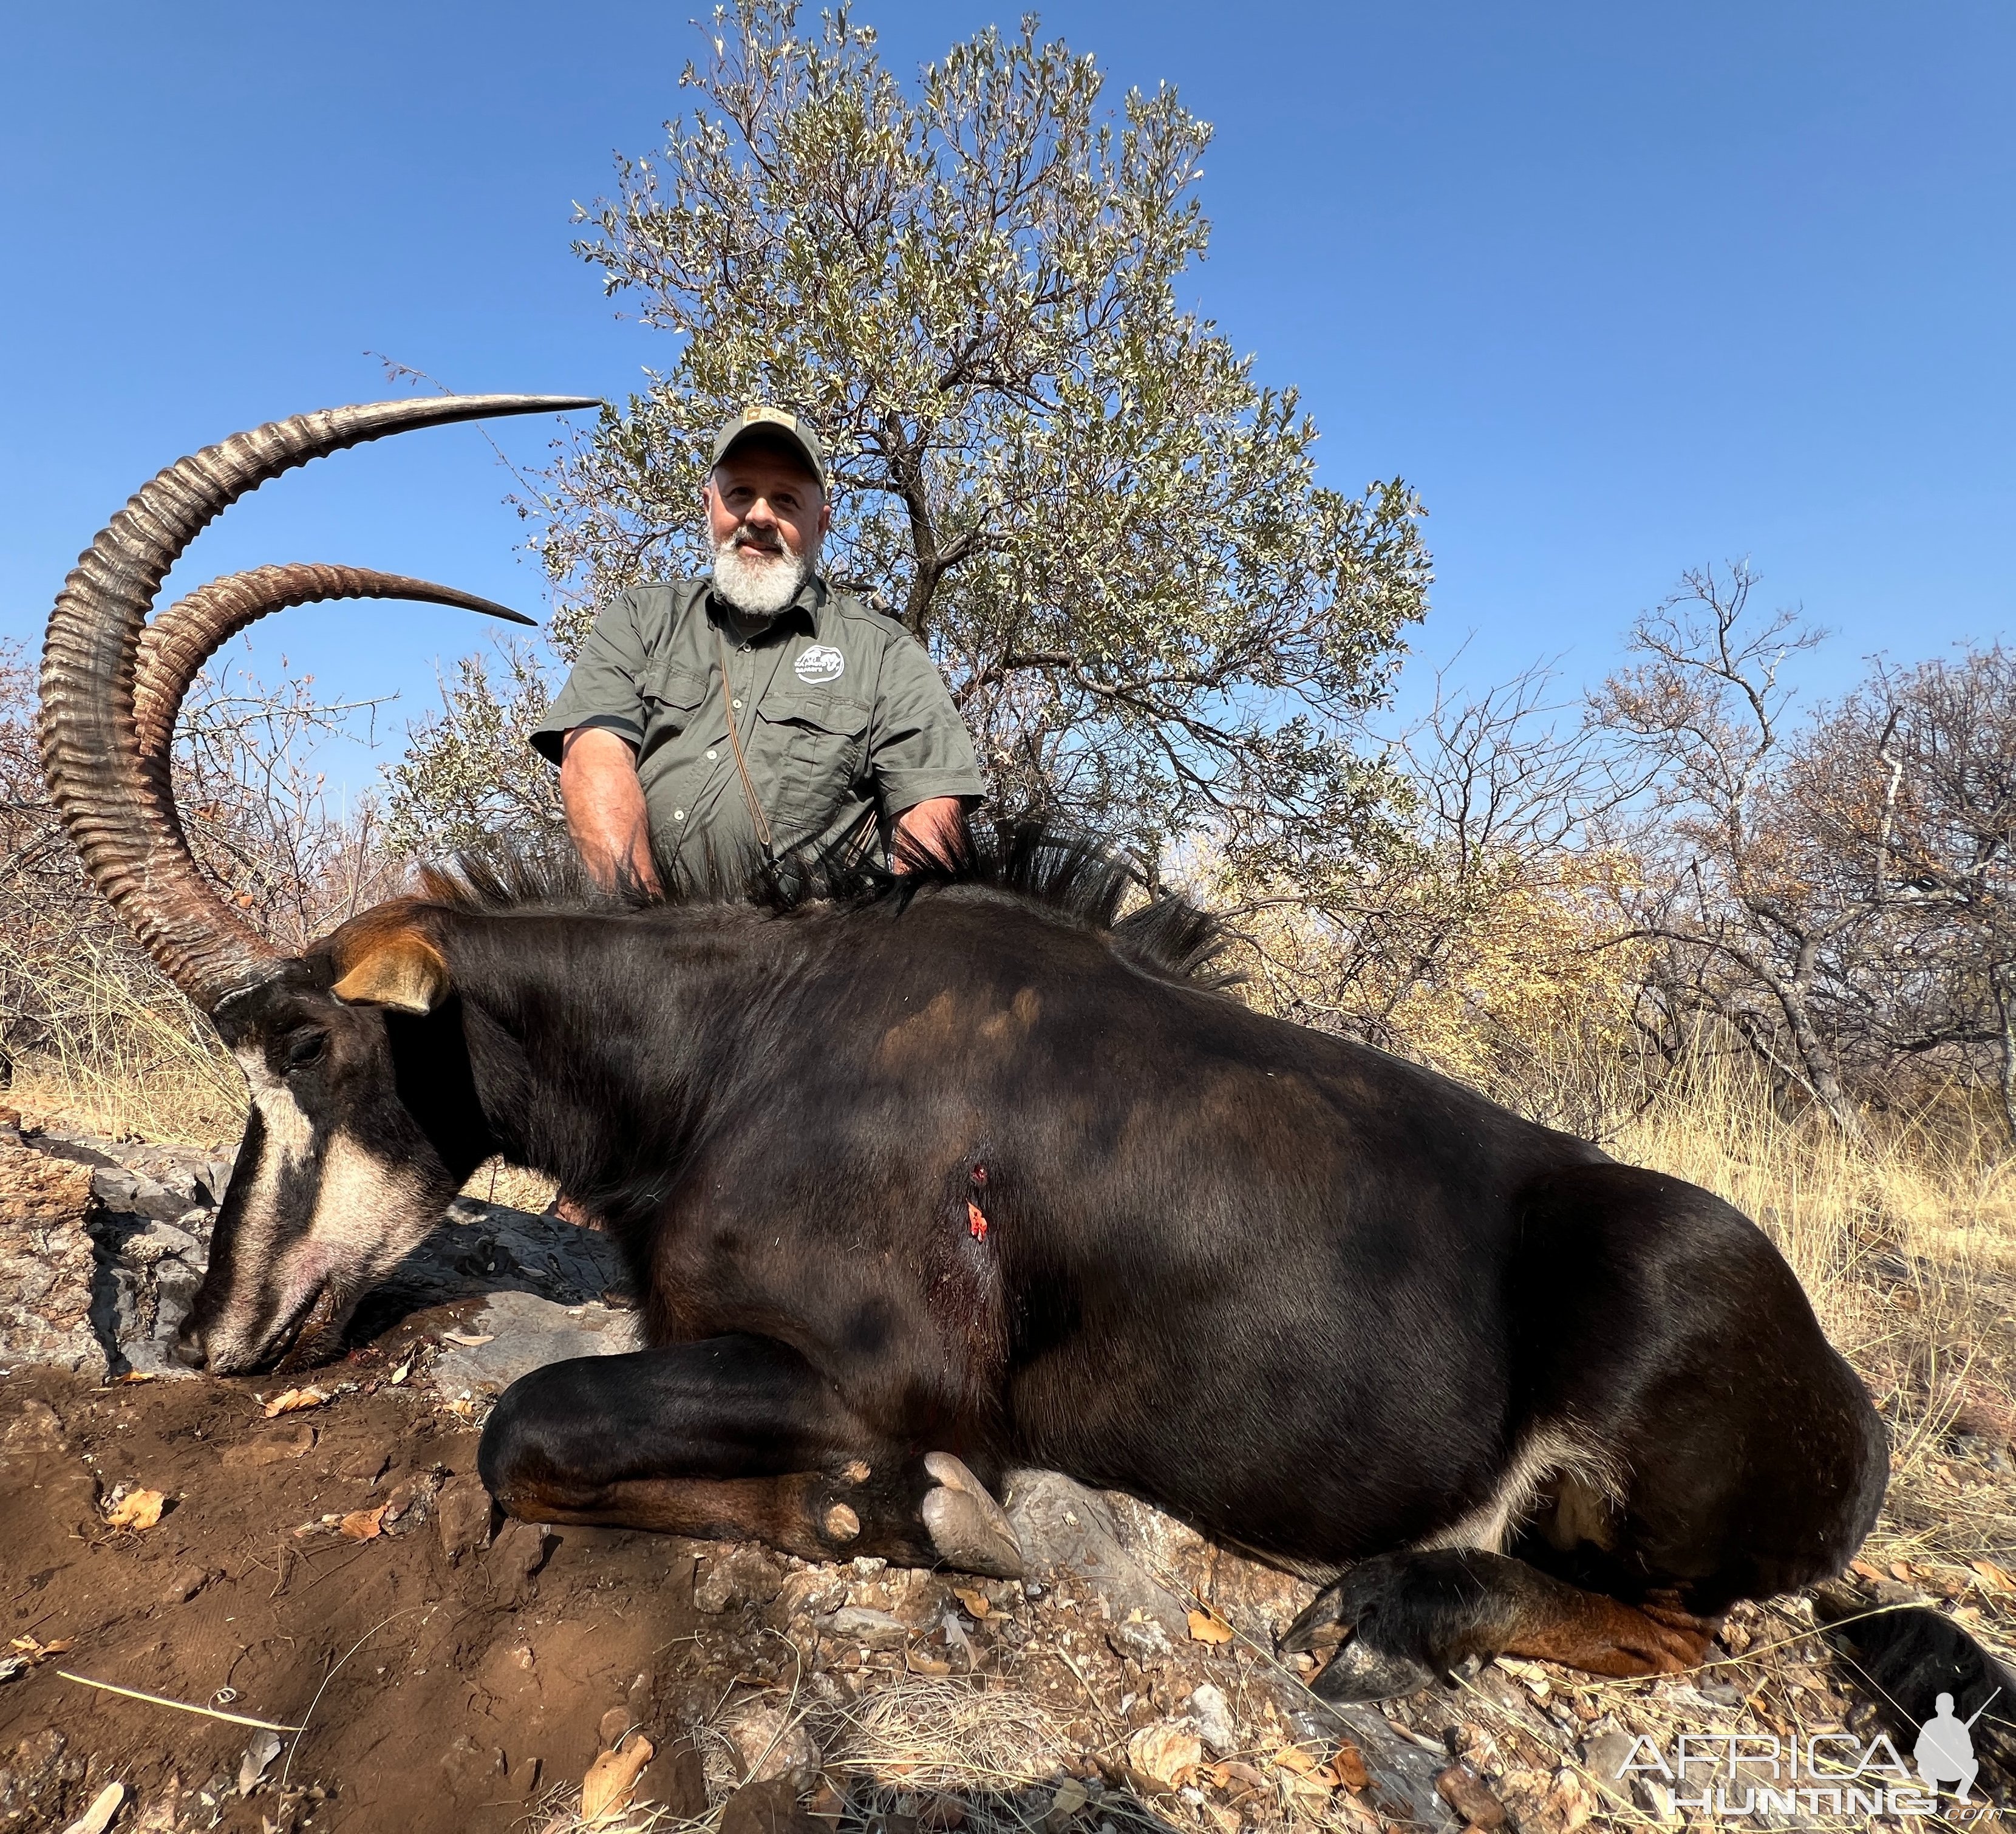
363	1125
362	1120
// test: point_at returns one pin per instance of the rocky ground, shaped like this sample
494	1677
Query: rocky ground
317	1568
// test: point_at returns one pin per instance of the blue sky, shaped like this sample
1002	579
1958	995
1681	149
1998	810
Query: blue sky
1620	290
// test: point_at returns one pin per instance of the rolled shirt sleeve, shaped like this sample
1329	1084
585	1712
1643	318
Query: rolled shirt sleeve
918	747
602	688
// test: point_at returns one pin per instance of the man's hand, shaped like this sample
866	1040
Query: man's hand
605	806
934	830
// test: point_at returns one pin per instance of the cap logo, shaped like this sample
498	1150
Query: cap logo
821	663
777	415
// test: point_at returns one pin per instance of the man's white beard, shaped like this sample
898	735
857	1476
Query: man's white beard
759	582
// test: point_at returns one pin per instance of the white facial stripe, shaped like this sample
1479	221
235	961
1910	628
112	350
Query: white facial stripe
369	1211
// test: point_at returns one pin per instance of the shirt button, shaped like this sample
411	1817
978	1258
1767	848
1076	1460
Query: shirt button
745	649
737	703
678	815
711	755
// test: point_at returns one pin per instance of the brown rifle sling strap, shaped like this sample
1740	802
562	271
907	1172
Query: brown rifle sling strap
741	764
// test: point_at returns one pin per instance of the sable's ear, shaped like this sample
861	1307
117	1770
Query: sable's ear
401	969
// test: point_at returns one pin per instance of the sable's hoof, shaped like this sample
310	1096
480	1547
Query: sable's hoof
1358	1674
1321	1626
968	1528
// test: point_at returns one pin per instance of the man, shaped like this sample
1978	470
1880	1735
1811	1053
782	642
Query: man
757	710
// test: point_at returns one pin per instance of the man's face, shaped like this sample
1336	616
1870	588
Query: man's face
764	500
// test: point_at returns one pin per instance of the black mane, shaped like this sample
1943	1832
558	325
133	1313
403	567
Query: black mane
1073	876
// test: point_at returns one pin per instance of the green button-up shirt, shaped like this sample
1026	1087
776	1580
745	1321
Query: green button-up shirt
840	712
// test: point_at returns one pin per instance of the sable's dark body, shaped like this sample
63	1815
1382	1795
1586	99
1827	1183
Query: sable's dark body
1311	1298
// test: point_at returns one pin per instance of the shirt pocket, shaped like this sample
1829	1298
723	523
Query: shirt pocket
671	697
813	748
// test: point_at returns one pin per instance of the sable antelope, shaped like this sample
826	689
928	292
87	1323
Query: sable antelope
925	1177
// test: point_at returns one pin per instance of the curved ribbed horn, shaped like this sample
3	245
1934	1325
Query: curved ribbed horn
182	639
89	740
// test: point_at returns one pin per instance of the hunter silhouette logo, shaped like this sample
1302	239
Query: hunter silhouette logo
1944	1750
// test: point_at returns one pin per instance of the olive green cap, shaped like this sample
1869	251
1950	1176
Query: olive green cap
780	424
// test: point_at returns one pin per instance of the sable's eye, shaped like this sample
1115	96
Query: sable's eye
306	1048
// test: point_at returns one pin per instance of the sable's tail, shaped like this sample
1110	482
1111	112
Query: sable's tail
1905	1656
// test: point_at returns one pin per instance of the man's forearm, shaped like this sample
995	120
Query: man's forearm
934	828
605	806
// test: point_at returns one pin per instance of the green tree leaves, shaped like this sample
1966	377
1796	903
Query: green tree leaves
1066	483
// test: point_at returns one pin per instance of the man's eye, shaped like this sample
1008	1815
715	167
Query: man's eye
306	1048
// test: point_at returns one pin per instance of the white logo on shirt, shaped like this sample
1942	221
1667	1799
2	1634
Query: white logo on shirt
821	663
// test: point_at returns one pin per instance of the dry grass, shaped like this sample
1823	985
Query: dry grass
122	1054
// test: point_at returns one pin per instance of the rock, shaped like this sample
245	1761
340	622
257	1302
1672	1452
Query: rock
515	1558
115	1187
1605	1757
865	1626
33	1427
1071	1797
1169	1754
1142	1638
36	1191
1213	1714
1065	1528
526	1333
470	1766
736	1574
462	1515
187	1582
1463	1790
768	1808
1539	1802
769	1745
144	1247
817	1592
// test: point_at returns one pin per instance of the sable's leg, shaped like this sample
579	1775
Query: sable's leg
733	1438
1412	1617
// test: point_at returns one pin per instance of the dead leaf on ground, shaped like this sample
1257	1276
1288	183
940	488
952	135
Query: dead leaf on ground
405	1370
976	1604
293	1400
363	1525
32	1652
136	1510
606	1789
1349	1766
1207	1627
469	1340
1235	1774
1862	1569
139	1375
1995	1575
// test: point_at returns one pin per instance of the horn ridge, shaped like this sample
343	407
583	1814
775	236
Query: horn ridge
89	740
176	644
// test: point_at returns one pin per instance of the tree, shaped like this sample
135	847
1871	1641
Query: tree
1733	873
1912	777
1066	483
